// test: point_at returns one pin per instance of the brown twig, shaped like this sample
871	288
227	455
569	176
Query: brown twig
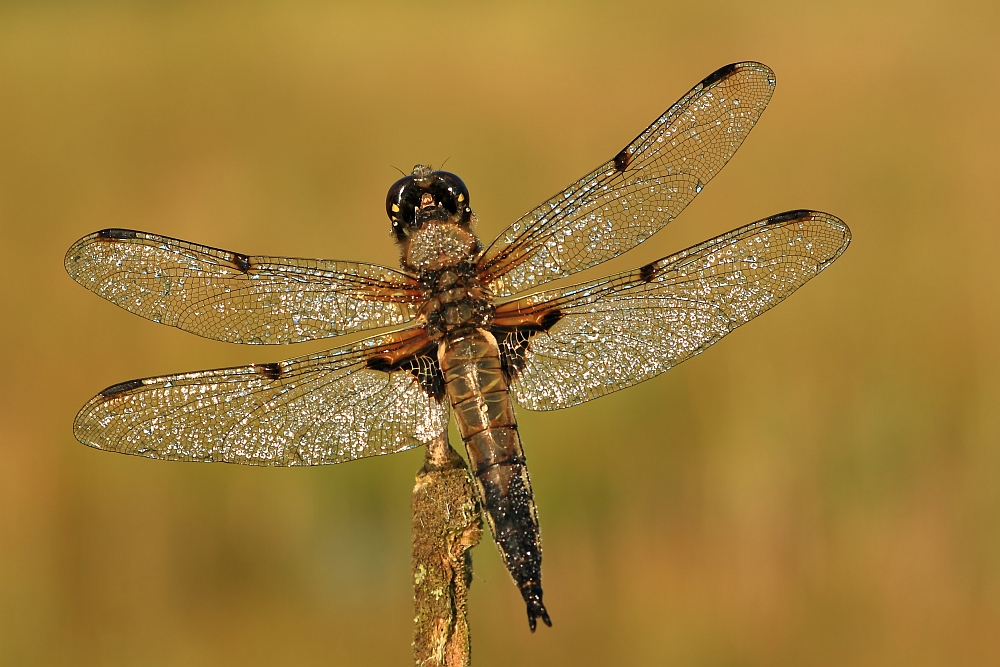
446	524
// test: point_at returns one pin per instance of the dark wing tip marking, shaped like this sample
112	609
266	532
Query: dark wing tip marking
121	388
790	216
623	158
271	371
720	74
241	261
116	234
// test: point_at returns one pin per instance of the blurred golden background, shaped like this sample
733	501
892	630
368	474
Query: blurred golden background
821	488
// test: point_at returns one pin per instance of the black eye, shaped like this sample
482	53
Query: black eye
450	191
401	202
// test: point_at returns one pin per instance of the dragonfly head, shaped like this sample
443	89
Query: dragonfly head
425	196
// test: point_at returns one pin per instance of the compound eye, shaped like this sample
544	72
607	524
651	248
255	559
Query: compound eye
457	197
403	197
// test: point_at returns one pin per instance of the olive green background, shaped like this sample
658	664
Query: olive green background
820	488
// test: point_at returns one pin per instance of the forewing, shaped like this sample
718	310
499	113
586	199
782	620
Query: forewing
595	338
630	197
317	409
238	298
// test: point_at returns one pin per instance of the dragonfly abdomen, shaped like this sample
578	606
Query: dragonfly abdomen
476	386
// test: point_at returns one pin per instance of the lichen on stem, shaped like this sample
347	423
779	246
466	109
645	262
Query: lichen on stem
447	523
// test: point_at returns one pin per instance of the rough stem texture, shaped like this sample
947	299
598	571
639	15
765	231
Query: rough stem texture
447	523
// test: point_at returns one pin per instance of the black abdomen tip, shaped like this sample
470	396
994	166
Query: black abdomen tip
533	598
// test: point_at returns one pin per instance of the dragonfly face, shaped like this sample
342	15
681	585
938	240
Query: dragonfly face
427	195
466	342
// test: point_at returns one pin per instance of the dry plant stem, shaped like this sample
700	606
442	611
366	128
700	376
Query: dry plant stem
446	524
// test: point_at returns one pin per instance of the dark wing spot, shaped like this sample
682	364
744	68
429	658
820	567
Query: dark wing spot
116	234
121	388
513	342
428	373
549	319
623	158
380	364
719	74
513	349
271	371
648	272
242	262
423	365
789	216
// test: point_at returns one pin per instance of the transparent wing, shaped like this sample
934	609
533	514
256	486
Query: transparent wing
629	198
322	408
238	298
595	338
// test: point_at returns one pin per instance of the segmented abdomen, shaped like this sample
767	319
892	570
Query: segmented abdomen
484	413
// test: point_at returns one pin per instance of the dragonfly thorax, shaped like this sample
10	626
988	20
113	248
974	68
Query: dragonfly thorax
455	300
439	245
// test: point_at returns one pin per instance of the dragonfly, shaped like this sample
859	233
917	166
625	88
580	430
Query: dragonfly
470	330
